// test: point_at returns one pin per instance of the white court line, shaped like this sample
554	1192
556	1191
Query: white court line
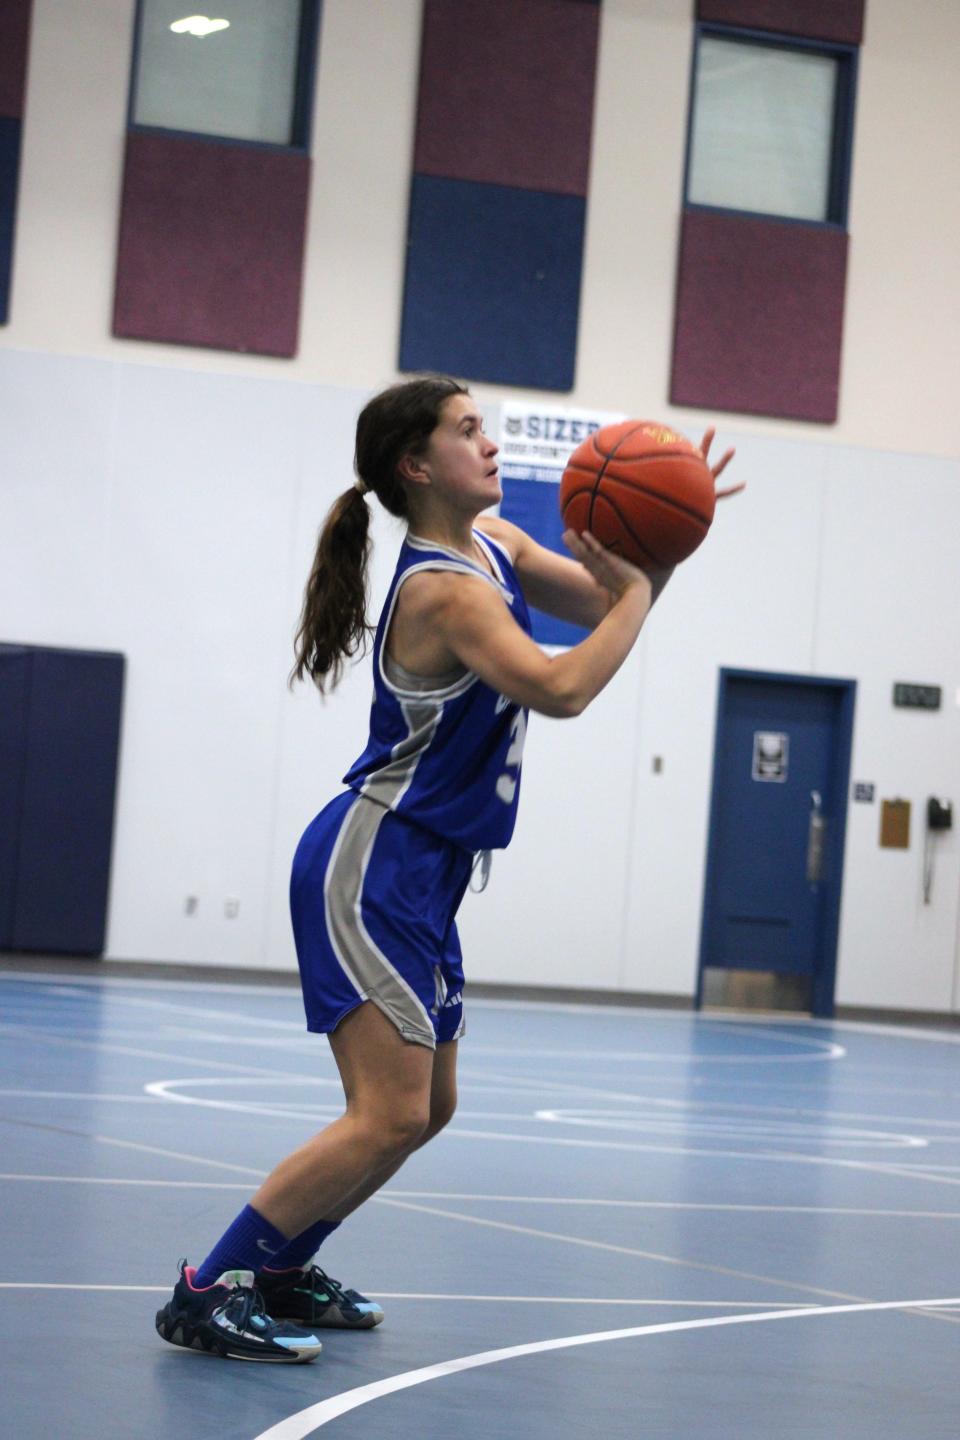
163	1088
604	1245
664	1304
305	1422
774	1157
816	1049
664	1015
76	1095
718	1208
383	1199
678	1119
104	1047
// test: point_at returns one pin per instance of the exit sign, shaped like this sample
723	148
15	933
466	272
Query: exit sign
916	697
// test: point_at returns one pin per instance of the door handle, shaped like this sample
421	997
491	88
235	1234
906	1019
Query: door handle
815	839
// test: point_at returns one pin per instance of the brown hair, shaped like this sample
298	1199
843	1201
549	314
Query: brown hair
333	622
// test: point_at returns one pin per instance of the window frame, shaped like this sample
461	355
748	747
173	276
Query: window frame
304	88
841	145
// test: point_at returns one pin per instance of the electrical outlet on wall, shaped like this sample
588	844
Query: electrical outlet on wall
190	905
231	907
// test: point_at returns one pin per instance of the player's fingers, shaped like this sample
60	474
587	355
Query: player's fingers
707	441
723	462
731	490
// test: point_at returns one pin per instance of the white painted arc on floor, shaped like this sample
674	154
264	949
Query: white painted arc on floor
314	1417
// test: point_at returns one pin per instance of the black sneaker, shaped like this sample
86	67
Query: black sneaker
229	1319
312	1298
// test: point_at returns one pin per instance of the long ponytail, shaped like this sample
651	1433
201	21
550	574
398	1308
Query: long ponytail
333	622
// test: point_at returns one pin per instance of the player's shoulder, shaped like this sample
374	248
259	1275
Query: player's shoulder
426	591
510	536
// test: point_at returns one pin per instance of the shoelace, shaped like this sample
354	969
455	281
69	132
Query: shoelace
319	1279
244	1303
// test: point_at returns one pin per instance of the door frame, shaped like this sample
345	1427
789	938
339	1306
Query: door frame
825	968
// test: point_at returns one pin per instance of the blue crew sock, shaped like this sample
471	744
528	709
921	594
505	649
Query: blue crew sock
249	1242
302	1247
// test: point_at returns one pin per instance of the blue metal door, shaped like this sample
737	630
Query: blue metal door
775	856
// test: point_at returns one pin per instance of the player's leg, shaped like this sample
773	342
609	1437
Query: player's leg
388	1087
308	1294
443	1104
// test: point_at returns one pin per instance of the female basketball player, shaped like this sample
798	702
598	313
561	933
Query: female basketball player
379	874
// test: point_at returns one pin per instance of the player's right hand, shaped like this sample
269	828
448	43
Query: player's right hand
612	571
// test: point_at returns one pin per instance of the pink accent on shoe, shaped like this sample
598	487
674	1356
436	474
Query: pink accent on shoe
188	1273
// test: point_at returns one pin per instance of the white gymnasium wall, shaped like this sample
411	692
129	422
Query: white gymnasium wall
163	501
171	515
901	348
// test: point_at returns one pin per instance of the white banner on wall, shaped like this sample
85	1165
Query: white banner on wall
537	438
536	441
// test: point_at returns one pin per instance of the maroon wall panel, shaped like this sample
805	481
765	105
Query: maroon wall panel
759	316
211	244
14	37
838	20
506	92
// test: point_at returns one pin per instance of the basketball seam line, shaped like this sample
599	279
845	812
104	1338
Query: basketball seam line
603	470
652	494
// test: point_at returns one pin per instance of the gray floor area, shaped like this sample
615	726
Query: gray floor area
641	1223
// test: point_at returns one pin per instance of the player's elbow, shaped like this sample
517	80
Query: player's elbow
564	701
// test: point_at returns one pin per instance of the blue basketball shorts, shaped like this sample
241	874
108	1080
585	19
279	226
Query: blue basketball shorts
373	899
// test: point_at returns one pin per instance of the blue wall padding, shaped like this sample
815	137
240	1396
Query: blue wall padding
9	170
14	695
534	505
493	283
68	791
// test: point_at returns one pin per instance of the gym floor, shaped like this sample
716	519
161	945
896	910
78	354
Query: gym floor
641	1223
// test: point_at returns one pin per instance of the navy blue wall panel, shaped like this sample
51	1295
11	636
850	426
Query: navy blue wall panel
493	282
9	172
501	168
14	699
69	786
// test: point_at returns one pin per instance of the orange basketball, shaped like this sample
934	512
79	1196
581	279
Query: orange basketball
643	490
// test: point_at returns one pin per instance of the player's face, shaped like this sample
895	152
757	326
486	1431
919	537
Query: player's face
460	459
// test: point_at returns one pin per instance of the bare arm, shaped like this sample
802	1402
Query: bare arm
474	622
563	587
550	581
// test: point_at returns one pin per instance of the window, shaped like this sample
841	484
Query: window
239	73
771	126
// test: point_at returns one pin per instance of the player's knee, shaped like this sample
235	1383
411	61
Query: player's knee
402	1128
442	1111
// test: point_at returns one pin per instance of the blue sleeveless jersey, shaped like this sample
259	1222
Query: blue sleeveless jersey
447	758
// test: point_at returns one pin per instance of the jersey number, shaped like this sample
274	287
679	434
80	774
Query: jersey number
507	784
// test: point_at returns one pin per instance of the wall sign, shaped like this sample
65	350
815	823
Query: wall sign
916	697
895	824
771	752
863	792
536	442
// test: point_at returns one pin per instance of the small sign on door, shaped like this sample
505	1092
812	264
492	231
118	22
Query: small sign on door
771	751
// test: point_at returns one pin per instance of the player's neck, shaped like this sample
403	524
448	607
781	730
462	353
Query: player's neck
449	533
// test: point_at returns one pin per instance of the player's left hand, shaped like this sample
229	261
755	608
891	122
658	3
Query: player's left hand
717	470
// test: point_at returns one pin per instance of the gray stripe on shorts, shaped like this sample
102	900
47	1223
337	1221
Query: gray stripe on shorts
368	969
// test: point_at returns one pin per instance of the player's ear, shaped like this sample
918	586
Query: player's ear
411	467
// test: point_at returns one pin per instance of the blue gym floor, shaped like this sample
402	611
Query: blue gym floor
642	1223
